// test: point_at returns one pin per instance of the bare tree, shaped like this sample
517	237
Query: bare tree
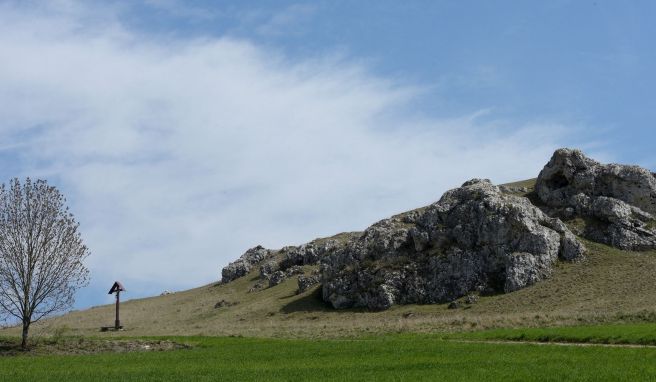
41	253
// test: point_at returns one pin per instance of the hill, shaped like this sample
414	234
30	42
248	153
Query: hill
575	245
608	285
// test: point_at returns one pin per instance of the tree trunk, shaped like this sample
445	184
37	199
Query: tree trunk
26	328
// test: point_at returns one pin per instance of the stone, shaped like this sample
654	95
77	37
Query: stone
471	299
276	278
616	203
453	305
294	270
267	269
306	282
244	264
474	238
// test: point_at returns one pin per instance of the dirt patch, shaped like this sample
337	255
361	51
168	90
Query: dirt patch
81	345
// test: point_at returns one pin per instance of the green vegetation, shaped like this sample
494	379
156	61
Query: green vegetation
638	334
651	225
387	358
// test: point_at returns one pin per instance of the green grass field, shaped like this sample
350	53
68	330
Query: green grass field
639	334
387	358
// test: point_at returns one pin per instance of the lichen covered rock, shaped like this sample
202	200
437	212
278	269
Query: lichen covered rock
475	238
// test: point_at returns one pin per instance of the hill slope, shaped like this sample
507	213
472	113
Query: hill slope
609	285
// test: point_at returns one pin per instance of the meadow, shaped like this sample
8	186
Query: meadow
396	357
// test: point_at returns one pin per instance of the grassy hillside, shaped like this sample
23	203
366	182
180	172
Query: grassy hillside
608	286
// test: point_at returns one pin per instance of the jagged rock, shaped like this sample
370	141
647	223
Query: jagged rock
267	269
453	305
294	270
471	299
307	254
244	264
474	238
276	278
617	203
305	282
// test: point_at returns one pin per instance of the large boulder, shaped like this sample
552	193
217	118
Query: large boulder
474	239
244	264
615	204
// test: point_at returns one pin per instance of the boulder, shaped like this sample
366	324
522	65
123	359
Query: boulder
475	238
615	204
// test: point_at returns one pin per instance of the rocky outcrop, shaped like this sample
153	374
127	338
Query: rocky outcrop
615	204
278	277
244	264
474	239
276	266
477	239
306	282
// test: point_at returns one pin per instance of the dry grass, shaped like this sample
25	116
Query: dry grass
608	286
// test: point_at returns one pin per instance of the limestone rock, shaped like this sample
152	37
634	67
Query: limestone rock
305	282
244	264
276	266
307	254
616	203
267	269
276	278
471	299
475	238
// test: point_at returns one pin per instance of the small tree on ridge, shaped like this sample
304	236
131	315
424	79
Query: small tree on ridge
41	253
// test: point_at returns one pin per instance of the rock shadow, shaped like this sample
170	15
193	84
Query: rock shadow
312	302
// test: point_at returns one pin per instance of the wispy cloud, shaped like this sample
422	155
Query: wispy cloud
289	18
178	156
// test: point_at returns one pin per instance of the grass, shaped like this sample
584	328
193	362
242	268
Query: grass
388	358
651	225
638	334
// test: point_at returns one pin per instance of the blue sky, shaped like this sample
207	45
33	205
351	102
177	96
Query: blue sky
184	133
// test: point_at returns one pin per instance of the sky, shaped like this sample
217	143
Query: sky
184	132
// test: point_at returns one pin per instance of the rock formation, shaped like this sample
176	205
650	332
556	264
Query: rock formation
244	264
474	239
278	265
306	282
615	204
477	239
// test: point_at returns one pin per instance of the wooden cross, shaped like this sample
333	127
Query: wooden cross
117	288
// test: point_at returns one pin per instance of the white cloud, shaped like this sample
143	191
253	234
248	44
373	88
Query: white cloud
176	156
